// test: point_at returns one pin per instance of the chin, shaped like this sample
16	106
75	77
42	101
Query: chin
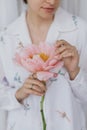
47	16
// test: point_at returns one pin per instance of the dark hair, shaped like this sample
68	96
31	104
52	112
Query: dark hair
25	1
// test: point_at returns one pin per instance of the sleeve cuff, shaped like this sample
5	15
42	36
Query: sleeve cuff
14	101
78	79
8	100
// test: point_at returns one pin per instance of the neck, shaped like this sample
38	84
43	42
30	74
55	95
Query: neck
38	27
37	21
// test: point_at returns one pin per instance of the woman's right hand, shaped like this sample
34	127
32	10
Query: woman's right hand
31	86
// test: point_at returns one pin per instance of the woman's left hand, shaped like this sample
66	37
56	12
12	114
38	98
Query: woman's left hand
70	56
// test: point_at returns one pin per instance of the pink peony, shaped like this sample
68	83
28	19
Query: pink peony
39	59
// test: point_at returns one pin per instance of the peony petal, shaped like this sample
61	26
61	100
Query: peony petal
36	63
53	62
28	51
28	66
33	49
17	59
57	66
47	68
44	75
29	58
47	49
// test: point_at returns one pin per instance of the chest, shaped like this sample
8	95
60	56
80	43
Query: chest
18	74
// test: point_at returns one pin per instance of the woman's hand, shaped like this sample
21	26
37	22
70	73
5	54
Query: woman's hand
70	56
31	86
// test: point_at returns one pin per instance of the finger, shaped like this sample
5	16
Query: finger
65	43
75	49
62	43
30	77
37	88
67	53
34	87
37	82
62	49
33	76
58	43
30	91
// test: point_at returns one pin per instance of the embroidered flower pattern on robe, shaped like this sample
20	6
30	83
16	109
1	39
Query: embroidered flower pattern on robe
64	115
26	107
74	20
17	78
6	83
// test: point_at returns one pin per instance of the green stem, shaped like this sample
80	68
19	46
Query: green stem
42	113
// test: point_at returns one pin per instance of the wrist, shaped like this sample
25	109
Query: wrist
18	96
74	73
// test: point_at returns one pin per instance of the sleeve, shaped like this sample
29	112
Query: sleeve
8	100
79	84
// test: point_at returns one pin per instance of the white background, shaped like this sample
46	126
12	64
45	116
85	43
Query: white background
11	9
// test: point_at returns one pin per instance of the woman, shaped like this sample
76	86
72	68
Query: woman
20	94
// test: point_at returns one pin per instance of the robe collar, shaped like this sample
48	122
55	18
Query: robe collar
63	23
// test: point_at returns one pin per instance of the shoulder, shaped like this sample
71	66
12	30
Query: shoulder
15	27
82	25
81	30
69	21
12	31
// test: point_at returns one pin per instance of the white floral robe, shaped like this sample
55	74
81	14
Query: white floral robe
64	99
